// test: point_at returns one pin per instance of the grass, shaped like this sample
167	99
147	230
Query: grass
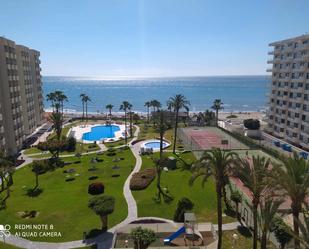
7	246
243	242
64	204
80	148
177	182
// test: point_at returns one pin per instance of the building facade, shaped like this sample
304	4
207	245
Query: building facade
288	112
21	99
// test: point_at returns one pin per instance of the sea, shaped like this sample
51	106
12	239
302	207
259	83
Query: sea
238	93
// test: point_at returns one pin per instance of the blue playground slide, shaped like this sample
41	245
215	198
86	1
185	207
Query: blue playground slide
174	235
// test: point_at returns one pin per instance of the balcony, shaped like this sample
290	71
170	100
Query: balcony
269	70
270	61
271	52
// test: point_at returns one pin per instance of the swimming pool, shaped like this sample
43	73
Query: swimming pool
101	132
154	144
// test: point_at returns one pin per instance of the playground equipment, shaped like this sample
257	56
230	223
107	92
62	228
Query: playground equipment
188	229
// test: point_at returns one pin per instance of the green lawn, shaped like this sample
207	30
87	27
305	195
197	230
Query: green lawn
7	246
80	148
64	204
177	182
242	242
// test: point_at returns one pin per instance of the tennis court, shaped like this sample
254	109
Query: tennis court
206	138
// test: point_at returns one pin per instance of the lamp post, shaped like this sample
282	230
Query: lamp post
235	238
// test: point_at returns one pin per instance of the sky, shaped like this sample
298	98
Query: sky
128	38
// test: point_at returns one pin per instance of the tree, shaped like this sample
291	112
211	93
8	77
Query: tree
160	164
148	105
268	211
282	231
155	105
82	96
6	175
142	237
292	179
125	106
38	167
178	102
52	98
56	118
216	163
217	105
183	206
109	107
60	98
254	177
304	228
102	206
162	119
236	197
85	100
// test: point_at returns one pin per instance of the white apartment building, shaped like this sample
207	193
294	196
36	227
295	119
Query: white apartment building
21	99
288	114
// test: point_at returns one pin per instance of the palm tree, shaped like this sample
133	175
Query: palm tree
82	96
86	99
6	173
56	118
109	107
216	163
61	98
254	177
51	97
217	105
155	104
148	105
304	228
178	102
293	179
125	107
268	211
131	119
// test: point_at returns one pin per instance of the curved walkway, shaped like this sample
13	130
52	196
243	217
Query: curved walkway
103	241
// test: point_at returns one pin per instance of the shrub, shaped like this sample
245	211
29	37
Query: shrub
70	144
96	188
252	124
142	237
183	206
111	153
142	179
93	178
71	179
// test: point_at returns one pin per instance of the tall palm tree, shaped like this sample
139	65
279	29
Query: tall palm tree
217	105
254	177
109	107
178	102
293	179
266	218
86	99
61	98
148	105
57	120
131	119
216	163
51	97
82	96
125	107
155	104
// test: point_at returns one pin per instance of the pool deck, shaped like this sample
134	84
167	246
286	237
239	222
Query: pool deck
78	132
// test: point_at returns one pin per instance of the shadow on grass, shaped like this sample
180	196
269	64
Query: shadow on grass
244	231
34	192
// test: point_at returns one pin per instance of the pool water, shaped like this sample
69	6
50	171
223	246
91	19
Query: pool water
155	145
101	132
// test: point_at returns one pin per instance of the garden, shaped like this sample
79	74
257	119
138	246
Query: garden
63	197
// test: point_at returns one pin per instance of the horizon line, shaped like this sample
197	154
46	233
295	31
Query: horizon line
156	76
